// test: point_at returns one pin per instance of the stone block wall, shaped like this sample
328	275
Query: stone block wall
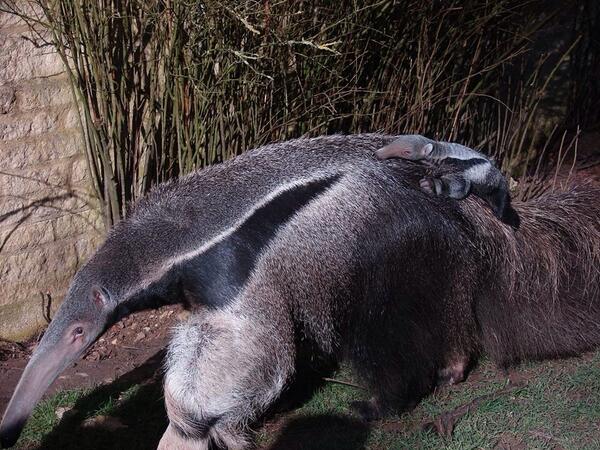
48	221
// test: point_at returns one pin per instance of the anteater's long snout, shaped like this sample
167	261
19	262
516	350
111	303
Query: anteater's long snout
41	371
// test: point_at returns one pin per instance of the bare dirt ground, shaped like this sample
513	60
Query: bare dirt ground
125	346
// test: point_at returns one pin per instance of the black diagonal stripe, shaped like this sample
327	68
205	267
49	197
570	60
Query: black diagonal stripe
214	277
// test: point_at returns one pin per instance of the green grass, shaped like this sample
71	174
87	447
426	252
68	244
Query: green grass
557	406
44	417
137	408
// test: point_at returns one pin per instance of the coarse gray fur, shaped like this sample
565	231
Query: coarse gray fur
467	171
309	271
367	268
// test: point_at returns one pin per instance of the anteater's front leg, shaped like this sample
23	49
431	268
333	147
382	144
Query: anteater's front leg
224	369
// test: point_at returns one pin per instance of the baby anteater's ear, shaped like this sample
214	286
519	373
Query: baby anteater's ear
426	151
406	147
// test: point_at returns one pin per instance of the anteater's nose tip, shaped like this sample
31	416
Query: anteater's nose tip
9	434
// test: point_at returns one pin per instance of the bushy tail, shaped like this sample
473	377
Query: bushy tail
543	295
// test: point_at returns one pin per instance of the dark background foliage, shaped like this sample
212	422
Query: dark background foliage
167	86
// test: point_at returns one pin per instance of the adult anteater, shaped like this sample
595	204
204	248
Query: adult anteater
315	242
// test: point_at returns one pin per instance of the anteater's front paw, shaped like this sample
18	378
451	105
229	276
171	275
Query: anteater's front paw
450	376
455	371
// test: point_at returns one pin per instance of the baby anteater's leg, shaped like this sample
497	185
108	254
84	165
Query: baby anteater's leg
453	186
224	369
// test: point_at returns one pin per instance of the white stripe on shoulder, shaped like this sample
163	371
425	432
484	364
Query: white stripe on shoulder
158	272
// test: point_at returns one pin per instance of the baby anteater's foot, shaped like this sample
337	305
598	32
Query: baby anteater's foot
453	186
431	185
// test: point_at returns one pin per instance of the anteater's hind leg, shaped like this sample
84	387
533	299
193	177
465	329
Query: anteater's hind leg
402	351
396	365
395	391
224	369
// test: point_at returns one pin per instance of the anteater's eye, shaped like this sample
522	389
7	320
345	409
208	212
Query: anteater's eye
78	331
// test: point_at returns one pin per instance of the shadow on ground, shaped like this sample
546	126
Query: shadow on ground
138	421
312	431
321	432
141	417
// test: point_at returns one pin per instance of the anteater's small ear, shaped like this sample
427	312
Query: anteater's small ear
101	297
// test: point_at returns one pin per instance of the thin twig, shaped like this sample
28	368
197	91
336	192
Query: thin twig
345	383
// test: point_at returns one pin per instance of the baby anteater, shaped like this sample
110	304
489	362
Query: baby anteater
466	171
